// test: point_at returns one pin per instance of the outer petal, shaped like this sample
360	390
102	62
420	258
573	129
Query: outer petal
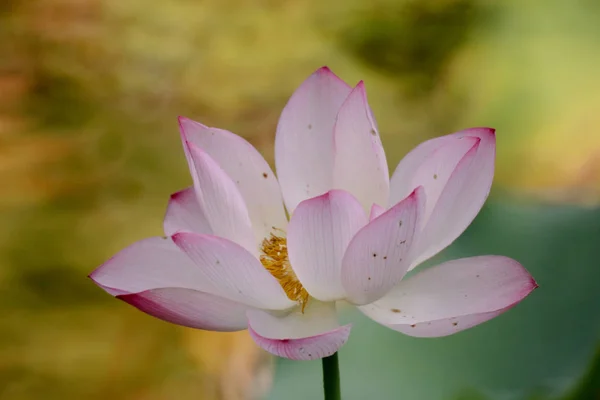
310	335
304	150
247	169
190	308
453	296
360	166
220	200
456	172
149	264
318	235
232	272
378	256
184	214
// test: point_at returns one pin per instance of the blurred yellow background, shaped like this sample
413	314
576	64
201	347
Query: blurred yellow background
90	151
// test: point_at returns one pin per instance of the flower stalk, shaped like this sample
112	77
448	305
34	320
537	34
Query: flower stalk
331	378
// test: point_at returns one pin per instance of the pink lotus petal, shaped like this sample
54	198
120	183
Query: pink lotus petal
310	348
190	308
232	271
456	172
360	166
245	166
148	264
184	214
447	326
304	148
318	234
378	256
220	200
435	169
453	296
299	336
376	211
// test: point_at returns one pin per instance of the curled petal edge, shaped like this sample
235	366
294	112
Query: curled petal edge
303	349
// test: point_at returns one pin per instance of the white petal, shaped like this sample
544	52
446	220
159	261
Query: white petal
360	166
310	335
318	235
304	148
232	271
220	200
453	296
456	172
184	214
378	256
148	264
190	308
247	169
447	326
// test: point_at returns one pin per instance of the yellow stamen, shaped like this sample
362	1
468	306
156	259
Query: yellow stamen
275	260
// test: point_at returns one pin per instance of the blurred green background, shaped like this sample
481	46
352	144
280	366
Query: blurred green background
89	153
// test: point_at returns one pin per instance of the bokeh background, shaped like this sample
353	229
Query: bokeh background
89	153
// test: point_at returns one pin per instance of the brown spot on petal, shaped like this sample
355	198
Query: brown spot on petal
374	254
265	175
373	132
385	257
309	126
434	176
454	323
395	310
413	325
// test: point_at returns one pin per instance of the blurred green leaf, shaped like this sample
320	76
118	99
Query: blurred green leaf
588	388
410	40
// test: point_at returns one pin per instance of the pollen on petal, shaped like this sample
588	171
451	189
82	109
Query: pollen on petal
275	260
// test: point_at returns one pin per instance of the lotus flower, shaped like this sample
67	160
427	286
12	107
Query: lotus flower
231	260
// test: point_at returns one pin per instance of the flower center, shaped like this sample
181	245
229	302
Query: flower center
275	260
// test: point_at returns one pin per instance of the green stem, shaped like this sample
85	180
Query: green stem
331	378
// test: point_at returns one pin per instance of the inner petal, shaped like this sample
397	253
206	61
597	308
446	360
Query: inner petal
318	318
274	257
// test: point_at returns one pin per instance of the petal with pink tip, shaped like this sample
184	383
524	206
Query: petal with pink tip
184	214
148	264
360	166
220	200
304	147
456	172
453	296
232	272
318	235
310	335
378	256
190	308
247	168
